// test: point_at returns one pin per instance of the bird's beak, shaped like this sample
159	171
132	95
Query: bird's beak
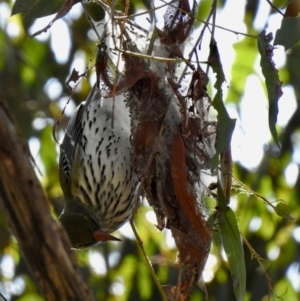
99	235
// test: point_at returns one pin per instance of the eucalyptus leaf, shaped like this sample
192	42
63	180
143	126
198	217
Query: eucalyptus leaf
289	32
36	8
22	6
226	124
233	248
271	78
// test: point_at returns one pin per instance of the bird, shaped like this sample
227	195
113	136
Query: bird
95	170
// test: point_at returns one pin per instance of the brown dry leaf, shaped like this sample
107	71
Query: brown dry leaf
193	252
197	88
74	77
179	20
101	66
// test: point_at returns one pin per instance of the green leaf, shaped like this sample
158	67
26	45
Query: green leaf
289	32
222	201
22	6
225	128
271	78
233	248
225	125
36	8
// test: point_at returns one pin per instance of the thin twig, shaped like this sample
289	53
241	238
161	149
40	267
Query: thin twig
157	58
90	20
259	259
4	299
140	244
274	7
144	12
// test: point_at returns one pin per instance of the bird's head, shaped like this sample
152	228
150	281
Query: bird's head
82	227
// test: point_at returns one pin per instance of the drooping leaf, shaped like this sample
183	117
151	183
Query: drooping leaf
36	8
272	79
225	127
233	248
226	124
193	251
63	10
22	6
231	240
222	201
186	199
215	62
226	168
289	32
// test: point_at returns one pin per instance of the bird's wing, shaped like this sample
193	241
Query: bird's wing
68	147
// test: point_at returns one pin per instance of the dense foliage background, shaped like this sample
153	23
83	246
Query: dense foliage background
32	79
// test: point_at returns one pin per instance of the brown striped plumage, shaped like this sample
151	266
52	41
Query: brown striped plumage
96	176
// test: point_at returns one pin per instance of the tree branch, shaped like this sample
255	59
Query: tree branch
43	242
